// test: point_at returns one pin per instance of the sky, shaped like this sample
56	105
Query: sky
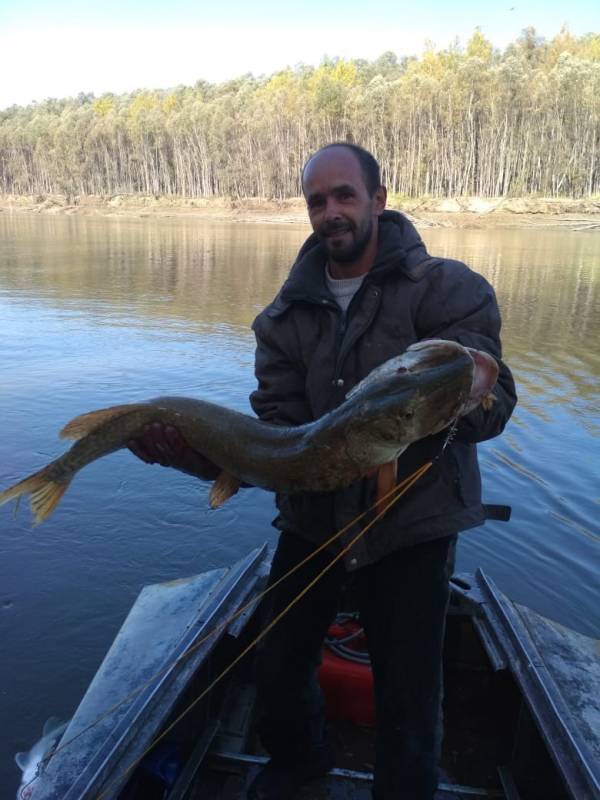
58	48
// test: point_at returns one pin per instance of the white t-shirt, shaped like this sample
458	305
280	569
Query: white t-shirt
343	289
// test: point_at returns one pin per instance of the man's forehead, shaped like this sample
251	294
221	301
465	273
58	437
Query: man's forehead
335	165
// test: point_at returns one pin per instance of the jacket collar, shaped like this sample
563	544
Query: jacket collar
400	248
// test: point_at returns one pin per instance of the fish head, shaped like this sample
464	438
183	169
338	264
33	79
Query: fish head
485	375
30	762
422	391
448	386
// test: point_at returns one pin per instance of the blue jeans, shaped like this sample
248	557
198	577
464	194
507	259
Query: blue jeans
402	600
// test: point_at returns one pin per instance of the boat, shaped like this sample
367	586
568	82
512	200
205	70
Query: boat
169	714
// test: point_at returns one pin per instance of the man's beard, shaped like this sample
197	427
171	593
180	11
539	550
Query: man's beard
351	251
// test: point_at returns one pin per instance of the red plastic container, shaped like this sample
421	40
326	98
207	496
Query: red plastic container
346	684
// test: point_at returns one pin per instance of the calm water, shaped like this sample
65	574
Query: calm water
96	312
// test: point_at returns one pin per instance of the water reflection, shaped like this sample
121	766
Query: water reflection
548	286
189	273
195	273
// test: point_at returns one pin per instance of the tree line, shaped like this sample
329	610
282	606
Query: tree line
459	121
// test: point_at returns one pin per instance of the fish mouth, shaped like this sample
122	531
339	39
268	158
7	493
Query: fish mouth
438	380
485	375
431	353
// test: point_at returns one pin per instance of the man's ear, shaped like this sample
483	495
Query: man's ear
379	200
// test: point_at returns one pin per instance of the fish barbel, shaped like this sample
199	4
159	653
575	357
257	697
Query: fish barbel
409	397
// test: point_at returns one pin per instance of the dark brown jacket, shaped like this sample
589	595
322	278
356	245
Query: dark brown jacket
308	357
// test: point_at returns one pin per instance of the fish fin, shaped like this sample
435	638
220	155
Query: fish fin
224	487
85	424
51	725
21	760
488	401
387	477
45	492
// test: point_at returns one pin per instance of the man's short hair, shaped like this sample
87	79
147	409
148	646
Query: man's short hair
368	164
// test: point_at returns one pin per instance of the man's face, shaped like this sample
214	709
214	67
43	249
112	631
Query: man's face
341	211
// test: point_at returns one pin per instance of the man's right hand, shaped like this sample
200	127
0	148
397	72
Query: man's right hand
164	444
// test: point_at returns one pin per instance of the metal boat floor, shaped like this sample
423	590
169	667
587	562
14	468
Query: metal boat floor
223	784
235	788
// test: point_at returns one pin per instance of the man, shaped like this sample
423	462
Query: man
362	289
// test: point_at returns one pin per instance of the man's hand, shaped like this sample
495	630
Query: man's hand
164	444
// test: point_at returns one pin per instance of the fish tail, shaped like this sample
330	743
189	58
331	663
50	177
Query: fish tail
223	488
85	424
45	491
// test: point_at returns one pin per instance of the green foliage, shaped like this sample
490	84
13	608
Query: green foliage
479	47
104	105
456	121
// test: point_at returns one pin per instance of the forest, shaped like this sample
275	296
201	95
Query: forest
461	121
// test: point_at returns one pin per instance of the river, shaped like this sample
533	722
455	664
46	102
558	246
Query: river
95	312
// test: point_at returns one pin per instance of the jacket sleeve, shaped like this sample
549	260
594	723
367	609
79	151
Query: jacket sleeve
280	396
460	305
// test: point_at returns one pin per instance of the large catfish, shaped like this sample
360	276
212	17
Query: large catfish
411	396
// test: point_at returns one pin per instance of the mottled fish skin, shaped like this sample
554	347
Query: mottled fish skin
409	397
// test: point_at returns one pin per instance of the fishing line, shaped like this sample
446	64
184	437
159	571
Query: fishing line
257	599
400	490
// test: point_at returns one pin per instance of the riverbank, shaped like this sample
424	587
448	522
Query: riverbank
461	212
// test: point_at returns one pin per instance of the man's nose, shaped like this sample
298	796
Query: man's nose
332	209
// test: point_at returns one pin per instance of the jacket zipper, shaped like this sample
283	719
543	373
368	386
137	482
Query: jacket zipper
345	344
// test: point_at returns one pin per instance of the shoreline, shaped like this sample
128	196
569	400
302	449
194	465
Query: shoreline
461	212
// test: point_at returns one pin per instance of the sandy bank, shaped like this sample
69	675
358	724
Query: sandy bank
461	212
